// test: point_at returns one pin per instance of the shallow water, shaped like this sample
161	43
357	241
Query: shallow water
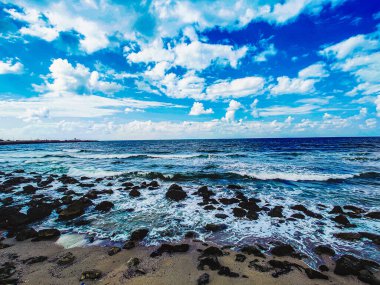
328	171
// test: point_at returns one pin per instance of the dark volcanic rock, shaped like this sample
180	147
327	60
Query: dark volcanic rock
29	189
104	206
176	193
228	201
252	215
252	250
168	248
39	212
139	234
74	210
25	234
276	212
35	259
114	250
313	274
226	271
212	250
134	193
129	245
298	216
67	180
281	267
249	206
240	257
323	268
367	276
340	219
66	259
348	236
91	275
350	265
221	216
336	210
373	215
215	227
211	262
10	217
307	212
234	187
203	279
324	249
239	212
47	234
354	209
204	192
283	250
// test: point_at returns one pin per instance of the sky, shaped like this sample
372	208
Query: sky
168	69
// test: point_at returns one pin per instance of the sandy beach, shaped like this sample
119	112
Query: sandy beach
49	262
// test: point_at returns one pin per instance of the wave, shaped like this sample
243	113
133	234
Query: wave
95	173
368	175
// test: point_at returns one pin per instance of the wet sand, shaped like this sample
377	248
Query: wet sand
122	268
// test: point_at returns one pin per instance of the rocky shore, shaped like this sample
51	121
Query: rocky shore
32	254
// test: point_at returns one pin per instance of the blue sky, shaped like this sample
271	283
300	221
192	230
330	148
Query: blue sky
159	69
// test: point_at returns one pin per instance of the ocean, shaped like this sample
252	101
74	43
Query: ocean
318	173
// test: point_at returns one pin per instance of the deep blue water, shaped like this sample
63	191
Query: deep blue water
308	171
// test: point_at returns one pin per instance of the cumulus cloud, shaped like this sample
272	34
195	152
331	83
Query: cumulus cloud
11	66
199	109
317	70
235	88
65	77
269	51
231	110
35	115
286	85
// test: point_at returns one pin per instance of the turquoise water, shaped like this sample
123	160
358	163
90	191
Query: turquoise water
334	171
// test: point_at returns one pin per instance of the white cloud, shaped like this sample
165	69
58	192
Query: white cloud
11	66
32	115
198	109
371	123
287	110
231	110
377	103
268	52
286	85
317	70
64	77
236	88
355	44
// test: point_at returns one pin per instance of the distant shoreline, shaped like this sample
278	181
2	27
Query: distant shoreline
42	141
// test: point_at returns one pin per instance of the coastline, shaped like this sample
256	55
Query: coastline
49	262
42	141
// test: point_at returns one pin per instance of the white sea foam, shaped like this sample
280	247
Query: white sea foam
296	176
92	172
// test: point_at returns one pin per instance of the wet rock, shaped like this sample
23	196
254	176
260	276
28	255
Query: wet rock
7	201
226	271
45	182
215	227
127	184
228	201
336	210
252	215
209	208
212	250
154	184
373	215
210	262
4	245
252	250
204	192
114	250
191	234
25	234
313	274
234	187
7	270
91	275
298	216
342	220
307	212
283	250
29	189
203	279
64	179
134	193
39	212
10	217
133	262
324	249
258	267
92	194
368	277
66	259
276	212
139	234
348	236
375	238
168	248
47	234
129	245
176	193
76	209
350	265
240	257
239	212
36	259
323	268
15	181
221	216
281	267
354	209
104	206
249	206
